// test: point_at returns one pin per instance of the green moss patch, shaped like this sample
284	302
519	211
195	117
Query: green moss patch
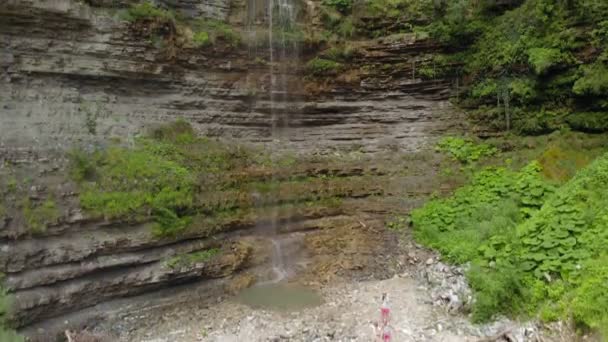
39	216
190	259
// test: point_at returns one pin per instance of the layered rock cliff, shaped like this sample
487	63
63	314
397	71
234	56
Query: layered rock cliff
75	75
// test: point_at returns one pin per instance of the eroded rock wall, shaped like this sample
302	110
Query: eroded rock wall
75	75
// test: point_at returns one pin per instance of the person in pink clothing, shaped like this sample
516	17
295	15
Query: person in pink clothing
385	311
386	334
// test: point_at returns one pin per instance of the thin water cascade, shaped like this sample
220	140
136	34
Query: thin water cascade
281	20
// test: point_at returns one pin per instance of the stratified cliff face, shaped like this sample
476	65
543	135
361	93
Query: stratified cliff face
75	75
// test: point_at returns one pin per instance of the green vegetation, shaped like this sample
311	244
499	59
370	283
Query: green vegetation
38	217
397	223
209	32
181	182
345	19
6	334
532	65
323	67
465	151
11	185
342	53
168	29
495	200
187	260
155	179
344	6
201	39
146	10
535	237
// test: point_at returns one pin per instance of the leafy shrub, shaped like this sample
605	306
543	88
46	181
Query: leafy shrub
82	166
477	224
486	88
397	223
551	257
465	151
342	53
201	39
343	6
499	289
493	203
323	67
536	122
438	67
536	42
542	59
589	121
592	81
522	90
589	303
187	260
147	10
415	9
209	32
134	182
346	28
179	131
38	217
169	223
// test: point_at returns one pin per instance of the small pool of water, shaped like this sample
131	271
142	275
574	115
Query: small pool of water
282	297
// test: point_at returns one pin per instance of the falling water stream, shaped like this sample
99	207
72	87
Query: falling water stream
277	292
278	262
281	17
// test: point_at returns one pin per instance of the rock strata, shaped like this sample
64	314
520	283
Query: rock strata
75	75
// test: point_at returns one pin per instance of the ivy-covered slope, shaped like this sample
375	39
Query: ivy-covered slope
535	65
535	247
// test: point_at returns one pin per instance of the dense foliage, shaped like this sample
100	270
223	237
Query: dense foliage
533	65
465	151
533	246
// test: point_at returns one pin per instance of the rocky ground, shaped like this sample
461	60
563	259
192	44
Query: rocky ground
428	299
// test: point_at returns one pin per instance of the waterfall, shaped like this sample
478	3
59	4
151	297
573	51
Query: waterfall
283	51
280	17
281	21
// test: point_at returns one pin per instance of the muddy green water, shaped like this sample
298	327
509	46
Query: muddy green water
282	297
